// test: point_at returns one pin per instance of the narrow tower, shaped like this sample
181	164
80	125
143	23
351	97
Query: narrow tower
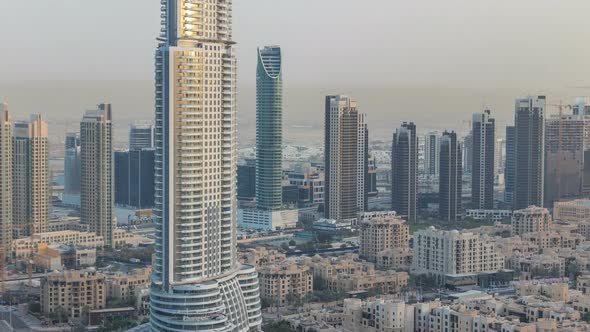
404	171
482	167
451	173
197	283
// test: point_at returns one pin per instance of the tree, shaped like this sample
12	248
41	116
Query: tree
59	315
292	243
324	237
265	302
278	326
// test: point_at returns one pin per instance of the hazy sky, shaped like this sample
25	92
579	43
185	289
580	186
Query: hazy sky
431	61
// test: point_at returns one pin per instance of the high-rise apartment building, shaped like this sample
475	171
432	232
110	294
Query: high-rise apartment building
483	162
198	283
431	153
141	136
529	152
531	219
72	164
404	171
450	178
134	178
269	129
566	139
383	232
96	160
5	183
30	177
510	165
345	159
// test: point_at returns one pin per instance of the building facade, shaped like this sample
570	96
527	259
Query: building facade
96	156
141	136
345	159
483	164
510	165
247	181
6	183
529	151
431	153
404	171
134	178
195	263
382	233
72	164
269	129
30	177
531	219
450	178
286	282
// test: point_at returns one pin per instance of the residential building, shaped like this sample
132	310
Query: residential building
510	165
431	153
30	177
5	183
404	169
468	153
492	215
382	233
345	159
450	178
269	128
24	246
196	141
72	164
531	219
565	143
575	210
73	290
285	282
483	164
141	136
310	187
530	152
96	151
444	254
134	178
127	286
378	315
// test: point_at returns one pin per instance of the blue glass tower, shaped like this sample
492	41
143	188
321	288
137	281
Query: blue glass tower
269	129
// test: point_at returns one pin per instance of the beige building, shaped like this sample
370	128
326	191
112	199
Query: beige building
576	210
326	268
262	256
97	180
553	239
127	286
73	290
5	182
389	315
280	282
444	253
386	282
30	177
531	219
382	233
22	247
395	259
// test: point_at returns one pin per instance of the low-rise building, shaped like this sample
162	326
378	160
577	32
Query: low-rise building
531	219
382	233
127	286
492	215
285	282
23	247
575	210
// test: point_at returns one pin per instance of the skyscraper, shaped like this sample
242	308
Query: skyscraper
269	129
345	159
198	283
510	165
96	165
30	177
5	183
581	106
565	143
72	164
247	180
431	153
530	152
451	178
404	171
141	136
468	153
134	178
482	172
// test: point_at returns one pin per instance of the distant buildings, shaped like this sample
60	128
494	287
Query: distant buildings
5	182
450	178
269	129
345	159
530	152
141	136
134	178
447	254
576	210
30	177
286	282
382	233
404	169
566	139
309	186
431	153
96	149
72	164
247	181
531	219
510	165
468	153
483	163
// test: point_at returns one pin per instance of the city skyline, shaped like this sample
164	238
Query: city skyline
462	80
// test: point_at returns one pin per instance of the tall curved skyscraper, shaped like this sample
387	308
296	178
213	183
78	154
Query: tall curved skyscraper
269	129
197	283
